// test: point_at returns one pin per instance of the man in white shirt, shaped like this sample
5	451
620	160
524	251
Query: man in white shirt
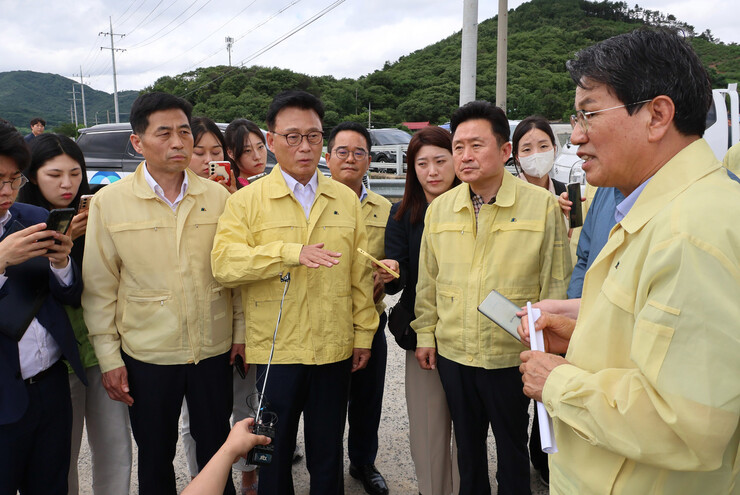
35	333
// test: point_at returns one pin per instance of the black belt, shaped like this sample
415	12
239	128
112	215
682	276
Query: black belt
42	374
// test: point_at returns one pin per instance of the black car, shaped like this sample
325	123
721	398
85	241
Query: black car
388	137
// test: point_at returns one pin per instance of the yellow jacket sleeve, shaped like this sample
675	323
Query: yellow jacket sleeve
425	308
101	275
236	258
678	407
238	323
555	264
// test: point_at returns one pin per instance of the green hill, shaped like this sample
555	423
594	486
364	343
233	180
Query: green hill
424	85
27	94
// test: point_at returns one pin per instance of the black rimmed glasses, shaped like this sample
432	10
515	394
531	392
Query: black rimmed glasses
581	118
295	138
343	153
15	184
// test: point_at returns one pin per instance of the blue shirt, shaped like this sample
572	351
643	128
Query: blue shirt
599	222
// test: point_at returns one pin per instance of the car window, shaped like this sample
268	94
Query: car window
130	151
391	136
103	142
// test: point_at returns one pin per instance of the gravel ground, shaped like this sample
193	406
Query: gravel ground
394	457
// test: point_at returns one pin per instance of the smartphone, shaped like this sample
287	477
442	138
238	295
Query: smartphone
497	308
576	211
255	177
239	366
378	262
221	169
59	220
84	203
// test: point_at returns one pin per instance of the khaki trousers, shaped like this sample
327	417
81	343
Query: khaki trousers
430	431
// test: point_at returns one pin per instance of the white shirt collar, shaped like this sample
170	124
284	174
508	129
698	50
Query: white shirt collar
160	192
363	193
3	221
304	194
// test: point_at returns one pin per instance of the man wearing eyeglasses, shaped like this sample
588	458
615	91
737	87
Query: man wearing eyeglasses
37	277
296	221
647	399
348	158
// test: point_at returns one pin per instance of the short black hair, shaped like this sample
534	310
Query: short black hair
13	146
293	98
37	120
44	148
526	125
349	126
148	103
481	109
646	63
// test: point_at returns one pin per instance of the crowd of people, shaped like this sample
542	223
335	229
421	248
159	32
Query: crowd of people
181	295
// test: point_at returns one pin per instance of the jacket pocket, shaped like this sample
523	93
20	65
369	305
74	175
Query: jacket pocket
650	346
220	316
151	320
449	306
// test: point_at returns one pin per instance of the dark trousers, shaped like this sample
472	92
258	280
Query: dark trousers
158	391
35	450
366	402
320	393
478	397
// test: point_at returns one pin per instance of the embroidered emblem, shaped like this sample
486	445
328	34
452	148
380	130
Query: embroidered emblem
202	209
513	219
617	265
336	212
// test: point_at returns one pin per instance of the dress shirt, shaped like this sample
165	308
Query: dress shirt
625	206
37	349
160	192
304	194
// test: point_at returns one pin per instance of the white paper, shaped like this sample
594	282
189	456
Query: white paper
537	343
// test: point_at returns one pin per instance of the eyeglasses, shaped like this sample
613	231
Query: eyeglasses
15	184
343	153
295	138
581	117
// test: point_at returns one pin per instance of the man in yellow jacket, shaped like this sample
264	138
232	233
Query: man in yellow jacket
491	232
160	324
348	158
647	398
297	221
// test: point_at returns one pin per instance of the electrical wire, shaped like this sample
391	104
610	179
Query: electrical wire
130	31
276	42
142	43
121	23
127	9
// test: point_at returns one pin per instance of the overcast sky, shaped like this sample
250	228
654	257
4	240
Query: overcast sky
353	38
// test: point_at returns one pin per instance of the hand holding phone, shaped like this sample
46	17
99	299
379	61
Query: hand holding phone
576	211
221	169
59	220
84	203
378	262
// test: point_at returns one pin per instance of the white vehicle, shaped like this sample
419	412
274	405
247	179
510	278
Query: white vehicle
722	132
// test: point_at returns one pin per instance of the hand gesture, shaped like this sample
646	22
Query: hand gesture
556	331
313	256
386	276
24	245
79	225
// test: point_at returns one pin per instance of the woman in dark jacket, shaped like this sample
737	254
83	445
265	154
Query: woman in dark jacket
432	174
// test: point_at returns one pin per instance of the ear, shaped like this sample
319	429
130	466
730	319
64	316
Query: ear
662	110
230	153
505	151
136	143
270	139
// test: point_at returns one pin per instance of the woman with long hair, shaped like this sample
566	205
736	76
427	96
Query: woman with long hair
208	146
57	179
246	148
430	174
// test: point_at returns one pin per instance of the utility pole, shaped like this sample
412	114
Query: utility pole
369	112
229	44
74	102
113	50
82	90
501	58
469	51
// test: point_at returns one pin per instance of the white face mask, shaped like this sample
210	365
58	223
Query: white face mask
538	164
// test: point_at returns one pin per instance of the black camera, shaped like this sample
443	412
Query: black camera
261	455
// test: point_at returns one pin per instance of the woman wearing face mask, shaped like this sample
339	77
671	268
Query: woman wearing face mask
208	146
432	174
247	150
57	179
533	148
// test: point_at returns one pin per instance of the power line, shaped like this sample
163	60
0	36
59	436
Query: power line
131	14
165	26
276	42
183	22
145	18
127	9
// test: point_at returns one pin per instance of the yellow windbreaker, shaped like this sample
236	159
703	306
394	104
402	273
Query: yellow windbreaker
651	401
520	249
375	211
732	159
148	283
327	311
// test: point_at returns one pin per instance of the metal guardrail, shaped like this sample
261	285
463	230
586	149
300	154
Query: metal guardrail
388	188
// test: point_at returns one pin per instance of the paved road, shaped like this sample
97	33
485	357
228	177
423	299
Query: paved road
394	458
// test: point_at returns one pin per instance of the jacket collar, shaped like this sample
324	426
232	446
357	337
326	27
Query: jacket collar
686	167
505	197
277	187
142	189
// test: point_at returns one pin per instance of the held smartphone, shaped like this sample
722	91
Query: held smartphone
84	203
378	262
221	169
576	211
59	220
497	308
